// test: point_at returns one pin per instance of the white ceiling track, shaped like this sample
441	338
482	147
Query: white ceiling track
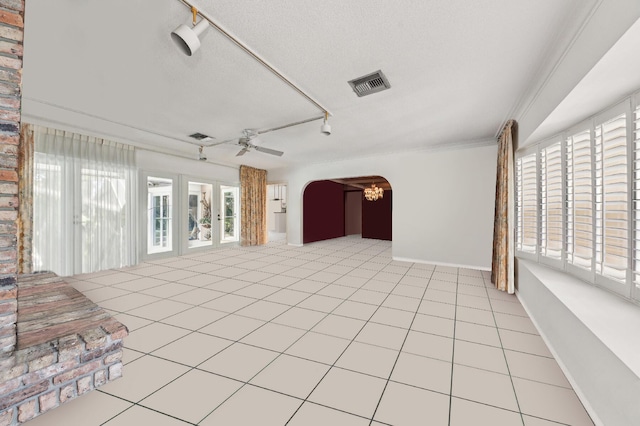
256	57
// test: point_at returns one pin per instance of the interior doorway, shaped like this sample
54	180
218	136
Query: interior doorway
277	211
347	206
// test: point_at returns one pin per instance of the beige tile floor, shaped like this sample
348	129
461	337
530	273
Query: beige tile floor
332	333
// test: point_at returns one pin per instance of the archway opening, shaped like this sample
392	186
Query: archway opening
338	207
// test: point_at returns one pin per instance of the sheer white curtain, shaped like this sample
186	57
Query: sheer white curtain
84	203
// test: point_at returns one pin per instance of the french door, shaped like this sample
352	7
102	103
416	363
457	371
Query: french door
160	215
229	214
83	215
185	214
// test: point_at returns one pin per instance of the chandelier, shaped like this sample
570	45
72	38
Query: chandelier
373	193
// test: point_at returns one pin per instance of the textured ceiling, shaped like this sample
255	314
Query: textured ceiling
458	70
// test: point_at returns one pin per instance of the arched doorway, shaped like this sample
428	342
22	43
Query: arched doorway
337	207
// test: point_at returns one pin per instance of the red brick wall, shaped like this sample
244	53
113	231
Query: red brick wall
11	35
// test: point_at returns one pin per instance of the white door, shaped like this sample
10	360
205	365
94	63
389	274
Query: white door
200	229
159	215
229	214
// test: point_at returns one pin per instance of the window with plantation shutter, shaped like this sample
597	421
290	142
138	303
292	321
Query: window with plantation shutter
636	203
611	183
579	200
526	204
551	201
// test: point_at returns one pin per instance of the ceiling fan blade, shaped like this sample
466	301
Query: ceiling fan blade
268	151
243	151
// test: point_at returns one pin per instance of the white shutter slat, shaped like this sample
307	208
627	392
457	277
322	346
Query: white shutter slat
579	200
551	201
526	204
611	203
635	199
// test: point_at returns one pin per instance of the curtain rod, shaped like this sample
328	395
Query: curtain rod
256	57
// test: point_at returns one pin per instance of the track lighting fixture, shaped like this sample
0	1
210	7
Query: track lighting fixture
187	39
326	128
202	156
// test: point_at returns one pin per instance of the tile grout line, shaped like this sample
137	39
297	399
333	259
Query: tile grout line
227	313
281	353
311	294
345	349
194	331
453	350
504	354
400	350
282	288
135	404
332	312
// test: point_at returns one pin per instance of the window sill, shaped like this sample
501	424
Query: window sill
593	334
613	320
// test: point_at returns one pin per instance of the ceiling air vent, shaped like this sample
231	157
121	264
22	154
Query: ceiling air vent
370	83
200	137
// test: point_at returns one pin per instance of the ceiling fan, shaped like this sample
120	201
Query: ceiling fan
250	137
246	142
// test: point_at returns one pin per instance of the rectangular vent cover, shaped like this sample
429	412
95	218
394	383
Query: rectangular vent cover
370	83
201	137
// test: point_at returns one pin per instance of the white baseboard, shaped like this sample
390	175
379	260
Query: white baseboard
453	265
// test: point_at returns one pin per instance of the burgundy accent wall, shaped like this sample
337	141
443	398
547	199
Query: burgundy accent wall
323	211
376	217
353	212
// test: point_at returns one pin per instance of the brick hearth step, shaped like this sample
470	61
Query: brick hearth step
66	346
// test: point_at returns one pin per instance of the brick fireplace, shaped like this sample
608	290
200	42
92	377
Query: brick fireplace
55	344
11	36
77	349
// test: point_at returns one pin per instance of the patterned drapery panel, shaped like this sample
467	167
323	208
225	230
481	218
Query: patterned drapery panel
502	264
253	200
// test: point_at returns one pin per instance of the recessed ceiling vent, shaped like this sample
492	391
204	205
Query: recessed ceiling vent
200	137
370	83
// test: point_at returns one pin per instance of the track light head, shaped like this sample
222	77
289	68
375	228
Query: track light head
202	156
326	128
187	39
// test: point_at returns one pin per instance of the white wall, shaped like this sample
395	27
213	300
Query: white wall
443	201
609	20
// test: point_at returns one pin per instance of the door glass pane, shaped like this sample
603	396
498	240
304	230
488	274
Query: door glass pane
229	221
229	214
160	196
199	218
